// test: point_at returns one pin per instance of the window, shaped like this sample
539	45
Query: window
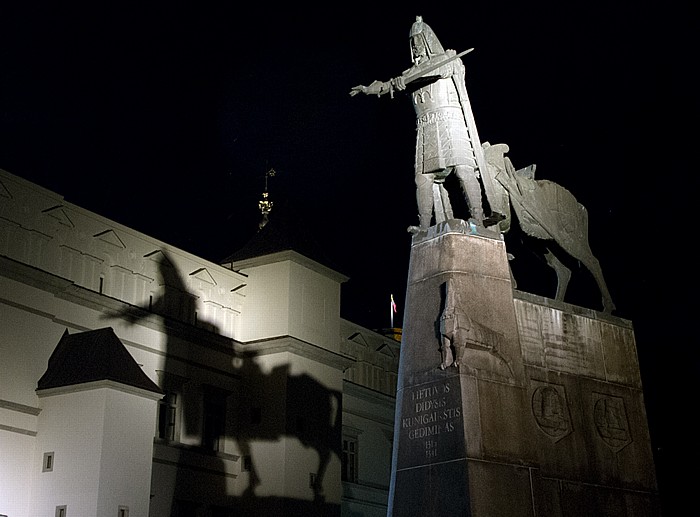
350	454
349	459
167	416
47	465
61	511
123	511
214	417
170	406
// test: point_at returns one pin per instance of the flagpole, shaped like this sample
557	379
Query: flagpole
391	313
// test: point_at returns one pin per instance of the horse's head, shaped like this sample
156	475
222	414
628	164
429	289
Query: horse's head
497	165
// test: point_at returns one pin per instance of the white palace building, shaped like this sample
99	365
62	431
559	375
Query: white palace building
139	380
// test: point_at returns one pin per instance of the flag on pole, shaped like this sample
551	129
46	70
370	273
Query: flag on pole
393	304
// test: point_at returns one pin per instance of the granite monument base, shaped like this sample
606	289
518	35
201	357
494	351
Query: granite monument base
461	392
508	403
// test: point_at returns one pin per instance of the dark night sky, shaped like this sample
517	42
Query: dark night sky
165	118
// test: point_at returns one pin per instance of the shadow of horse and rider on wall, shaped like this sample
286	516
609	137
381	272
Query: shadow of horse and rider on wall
262	408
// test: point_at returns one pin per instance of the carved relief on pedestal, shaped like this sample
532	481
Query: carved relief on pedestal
458	334
610	419
551	411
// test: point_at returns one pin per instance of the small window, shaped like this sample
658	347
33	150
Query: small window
214	423
123	511
47	465
349	460
61	511
167	416
247	463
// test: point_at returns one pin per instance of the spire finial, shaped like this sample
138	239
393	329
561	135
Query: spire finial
265	205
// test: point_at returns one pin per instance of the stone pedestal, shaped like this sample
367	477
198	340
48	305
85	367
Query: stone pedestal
461	444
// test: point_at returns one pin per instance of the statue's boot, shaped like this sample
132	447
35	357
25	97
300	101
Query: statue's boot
477	217
424	223
493	219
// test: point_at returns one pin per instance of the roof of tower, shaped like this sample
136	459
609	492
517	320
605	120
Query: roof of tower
90	356
284	231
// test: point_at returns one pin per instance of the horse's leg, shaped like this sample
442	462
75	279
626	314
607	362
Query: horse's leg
324	456
563	274
582	252
253	479
594	267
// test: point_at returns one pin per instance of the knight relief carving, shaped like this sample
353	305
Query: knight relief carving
459	333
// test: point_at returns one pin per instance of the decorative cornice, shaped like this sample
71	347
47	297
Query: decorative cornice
20	408
95	385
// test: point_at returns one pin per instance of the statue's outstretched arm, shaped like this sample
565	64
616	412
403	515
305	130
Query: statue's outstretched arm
379	88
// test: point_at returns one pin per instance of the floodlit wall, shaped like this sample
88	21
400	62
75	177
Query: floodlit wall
255	340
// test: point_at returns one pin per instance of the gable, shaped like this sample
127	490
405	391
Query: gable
110	237
58	213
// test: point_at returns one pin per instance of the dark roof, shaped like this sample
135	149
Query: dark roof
284	231
94	355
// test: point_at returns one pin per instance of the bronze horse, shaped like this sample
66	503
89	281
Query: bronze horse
546	211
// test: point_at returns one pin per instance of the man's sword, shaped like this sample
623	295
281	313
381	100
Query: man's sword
420	73
415	75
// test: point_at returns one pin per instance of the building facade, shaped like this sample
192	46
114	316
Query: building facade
138	379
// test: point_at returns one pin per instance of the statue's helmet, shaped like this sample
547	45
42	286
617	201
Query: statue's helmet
422	33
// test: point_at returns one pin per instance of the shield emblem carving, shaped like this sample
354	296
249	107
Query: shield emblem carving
610	417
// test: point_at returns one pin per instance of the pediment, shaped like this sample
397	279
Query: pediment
110	237
57	212
159	258
385	350
239	288
359	339
4	192
203	275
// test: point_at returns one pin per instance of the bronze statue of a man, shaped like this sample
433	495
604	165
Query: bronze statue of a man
446	139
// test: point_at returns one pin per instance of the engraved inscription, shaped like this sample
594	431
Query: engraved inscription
432	412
